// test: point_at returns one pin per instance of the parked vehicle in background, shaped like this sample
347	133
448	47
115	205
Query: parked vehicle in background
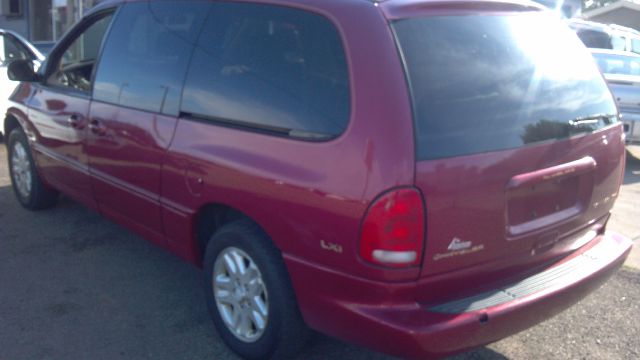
622	72
601	36
439	187
629	38
12	47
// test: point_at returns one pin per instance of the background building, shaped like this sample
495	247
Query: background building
42	21
625	13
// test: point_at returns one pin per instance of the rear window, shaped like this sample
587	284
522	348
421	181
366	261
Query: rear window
490	82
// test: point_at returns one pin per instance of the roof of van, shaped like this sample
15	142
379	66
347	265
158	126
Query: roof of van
392	9
526	3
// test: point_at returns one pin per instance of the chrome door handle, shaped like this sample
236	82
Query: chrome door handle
96	127
76	121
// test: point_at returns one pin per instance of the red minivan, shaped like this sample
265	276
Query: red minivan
418	177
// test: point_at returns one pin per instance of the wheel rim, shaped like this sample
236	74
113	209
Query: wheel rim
240	293
21	169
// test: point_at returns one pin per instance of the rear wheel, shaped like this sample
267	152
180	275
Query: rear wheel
27	185
249	294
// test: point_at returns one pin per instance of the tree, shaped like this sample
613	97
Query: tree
594	4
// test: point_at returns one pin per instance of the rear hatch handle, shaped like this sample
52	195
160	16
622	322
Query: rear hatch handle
572	168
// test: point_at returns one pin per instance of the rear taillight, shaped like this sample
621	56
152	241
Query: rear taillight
393	229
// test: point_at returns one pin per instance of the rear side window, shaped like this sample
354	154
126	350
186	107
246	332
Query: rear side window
619	43
595	39
270	68
635	45
146	56
490	82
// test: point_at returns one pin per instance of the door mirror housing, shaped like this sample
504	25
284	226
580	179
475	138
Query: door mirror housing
22	70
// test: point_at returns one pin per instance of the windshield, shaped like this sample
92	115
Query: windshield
490	82
618	64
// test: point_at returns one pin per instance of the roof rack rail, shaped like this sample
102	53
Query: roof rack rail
624	28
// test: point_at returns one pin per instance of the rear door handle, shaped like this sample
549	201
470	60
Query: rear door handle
96	127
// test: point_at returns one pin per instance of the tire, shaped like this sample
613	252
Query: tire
266	281
27	185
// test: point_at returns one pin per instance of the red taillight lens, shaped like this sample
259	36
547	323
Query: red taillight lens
393	229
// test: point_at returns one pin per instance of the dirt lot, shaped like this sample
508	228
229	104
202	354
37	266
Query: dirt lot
76	286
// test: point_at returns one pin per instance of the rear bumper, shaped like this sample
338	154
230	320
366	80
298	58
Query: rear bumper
382	316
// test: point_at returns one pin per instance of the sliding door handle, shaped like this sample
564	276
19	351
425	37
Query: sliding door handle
96	127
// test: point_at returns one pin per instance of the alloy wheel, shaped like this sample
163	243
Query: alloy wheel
21	169
240	294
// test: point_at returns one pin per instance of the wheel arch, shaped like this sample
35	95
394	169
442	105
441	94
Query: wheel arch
14	118
10	122
212	216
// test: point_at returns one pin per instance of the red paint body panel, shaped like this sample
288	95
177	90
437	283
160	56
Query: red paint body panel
403	9
126	159
304	192
60	145
392	319
154	173
475	197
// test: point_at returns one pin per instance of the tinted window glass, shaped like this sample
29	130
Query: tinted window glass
270	67
485	83
618	64
74	66
595	39
146	56
635	45
618	43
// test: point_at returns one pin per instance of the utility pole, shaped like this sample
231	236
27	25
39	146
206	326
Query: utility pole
71	13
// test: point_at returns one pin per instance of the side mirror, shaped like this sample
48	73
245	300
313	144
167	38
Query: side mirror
22	70
625	127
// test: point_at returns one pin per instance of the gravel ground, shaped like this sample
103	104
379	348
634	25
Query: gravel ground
76	286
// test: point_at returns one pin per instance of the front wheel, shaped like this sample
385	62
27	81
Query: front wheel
249	294
27	185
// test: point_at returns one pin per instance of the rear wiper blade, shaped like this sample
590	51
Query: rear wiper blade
591	119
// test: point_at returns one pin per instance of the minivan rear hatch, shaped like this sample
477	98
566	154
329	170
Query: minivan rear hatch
519	148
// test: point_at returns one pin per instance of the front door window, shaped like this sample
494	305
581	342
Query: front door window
73	67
